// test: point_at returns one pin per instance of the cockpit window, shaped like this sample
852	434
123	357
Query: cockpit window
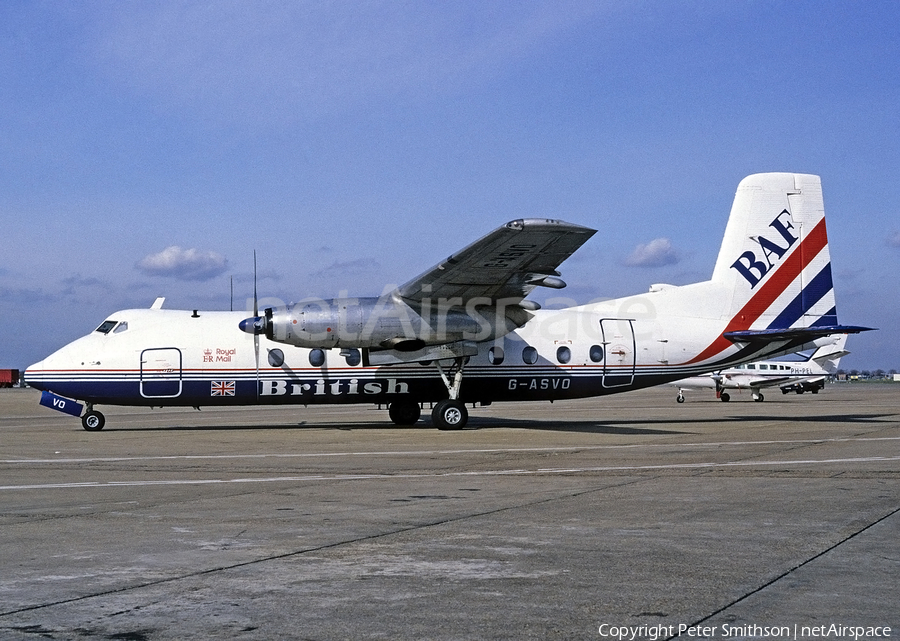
106	326
121	327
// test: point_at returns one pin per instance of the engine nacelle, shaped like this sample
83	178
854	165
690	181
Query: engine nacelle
383	323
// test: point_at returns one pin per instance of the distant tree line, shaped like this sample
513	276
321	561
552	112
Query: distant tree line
865	373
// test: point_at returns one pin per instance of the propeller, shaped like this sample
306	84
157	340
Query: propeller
256	315
255	324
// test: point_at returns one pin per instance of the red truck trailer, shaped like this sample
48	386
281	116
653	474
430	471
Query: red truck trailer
9	377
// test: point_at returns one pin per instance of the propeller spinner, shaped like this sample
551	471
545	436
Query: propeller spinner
254	325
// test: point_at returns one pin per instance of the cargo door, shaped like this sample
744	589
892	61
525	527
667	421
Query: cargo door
161	372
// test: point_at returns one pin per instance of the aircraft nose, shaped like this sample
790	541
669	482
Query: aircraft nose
32	376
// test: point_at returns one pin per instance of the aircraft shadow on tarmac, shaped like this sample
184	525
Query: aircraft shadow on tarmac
620	427
484	423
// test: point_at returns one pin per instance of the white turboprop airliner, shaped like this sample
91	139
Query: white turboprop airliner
789	375
464	333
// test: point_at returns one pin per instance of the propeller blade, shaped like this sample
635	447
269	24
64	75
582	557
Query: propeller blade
255	299
258	324
256	354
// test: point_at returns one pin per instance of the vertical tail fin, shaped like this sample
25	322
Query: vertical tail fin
774	261
828	357
774	268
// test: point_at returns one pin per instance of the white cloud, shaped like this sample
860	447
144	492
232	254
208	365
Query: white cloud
348	268
184	264
657	253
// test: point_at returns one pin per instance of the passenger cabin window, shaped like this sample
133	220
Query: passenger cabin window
106	326
596	353
751	366
276	357
763	367
563	354
495	355
529	355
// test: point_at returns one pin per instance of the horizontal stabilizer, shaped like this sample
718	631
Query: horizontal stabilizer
833	356
789	334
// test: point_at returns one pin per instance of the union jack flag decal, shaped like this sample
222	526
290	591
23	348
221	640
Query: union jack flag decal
222	388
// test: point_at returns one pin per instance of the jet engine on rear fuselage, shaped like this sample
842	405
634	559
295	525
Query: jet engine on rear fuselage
387	322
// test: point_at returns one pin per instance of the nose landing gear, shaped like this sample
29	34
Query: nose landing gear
93	421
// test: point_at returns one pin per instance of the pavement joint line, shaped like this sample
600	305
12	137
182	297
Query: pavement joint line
513	472
318	548
574	448
788	572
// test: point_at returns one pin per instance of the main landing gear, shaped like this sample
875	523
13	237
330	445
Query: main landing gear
404	412
449	414
446	415
92	420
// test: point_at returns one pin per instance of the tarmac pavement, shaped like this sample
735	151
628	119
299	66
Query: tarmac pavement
624	517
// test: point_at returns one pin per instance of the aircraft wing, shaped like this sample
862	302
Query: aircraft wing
807	379
506	264
773	382
783	381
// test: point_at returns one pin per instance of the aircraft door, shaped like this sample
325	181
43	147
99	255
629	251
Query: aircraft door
161	372
619	348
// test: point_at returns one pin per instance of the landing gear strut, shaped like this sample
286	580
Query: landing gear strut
451	414
93	421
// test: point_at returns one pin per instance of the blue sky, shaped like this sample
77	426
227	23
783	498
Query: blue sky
146	149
